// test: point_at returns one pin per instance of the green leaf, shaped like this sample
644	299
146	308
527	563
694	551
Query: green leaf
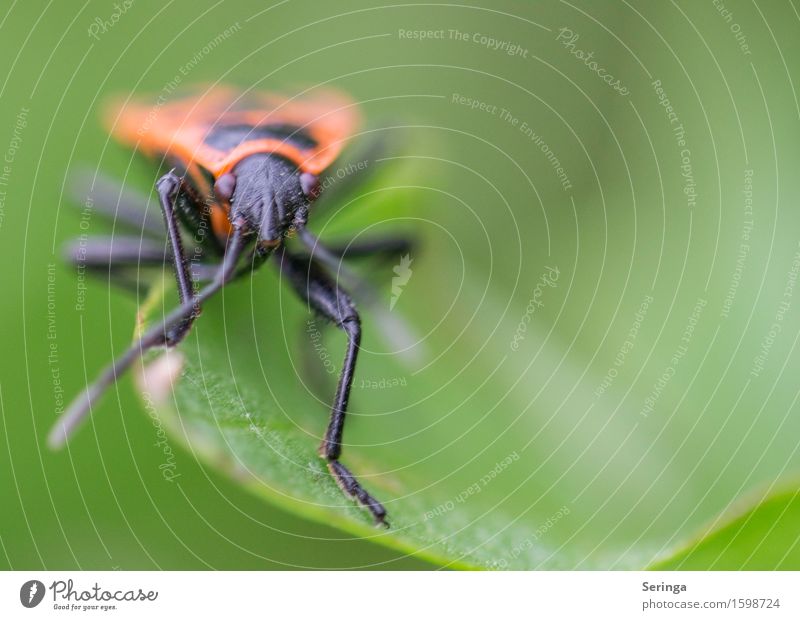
760	534
477	471
583	395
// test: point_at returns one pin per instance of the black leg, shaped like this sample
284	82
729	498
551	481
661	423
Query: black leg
116	251
120	254
114	202
317	371
118	258
168	187
327	299
397	333
383	247
157	335
332	256
387	248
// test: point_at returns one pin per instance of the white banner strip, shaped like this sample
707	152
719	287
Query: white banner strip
390	595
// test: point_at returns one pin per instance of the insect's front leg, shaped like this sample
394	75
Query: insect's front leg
155	336
168	187
326	298
398	334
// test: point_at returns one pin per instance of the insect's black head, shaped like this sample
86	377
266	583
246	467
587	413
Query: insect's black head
270	194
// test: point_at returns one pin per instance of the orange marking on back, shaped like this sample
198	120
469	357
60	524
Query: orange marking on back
220	223
178	128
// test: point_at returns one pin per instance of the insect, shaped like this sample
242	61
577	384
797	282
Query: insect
245	170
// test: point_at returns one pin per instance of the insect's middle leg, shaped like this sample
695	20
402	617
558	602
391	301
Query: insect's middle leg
111	200
120	258
124	256
116	251
326	298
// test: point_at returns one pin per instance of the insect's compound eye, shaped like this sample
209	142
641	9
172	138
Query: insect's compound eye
224	186
309	183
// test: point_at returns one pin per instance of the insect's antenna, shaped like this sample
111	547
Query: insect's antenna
81	407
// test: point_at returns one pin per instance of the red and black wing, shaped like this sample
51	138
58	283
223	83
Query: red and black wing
218	127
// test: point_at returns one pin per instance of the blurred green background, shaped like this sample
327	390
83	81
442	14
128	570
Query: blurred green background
641	399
